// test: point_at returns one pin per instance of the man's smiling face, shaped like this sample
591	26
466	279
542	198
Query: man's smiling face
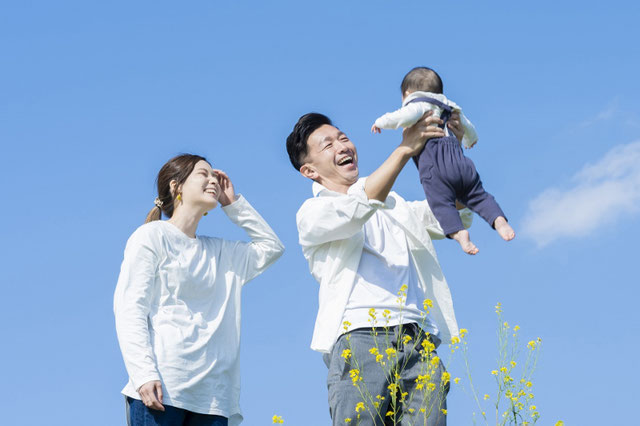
331	159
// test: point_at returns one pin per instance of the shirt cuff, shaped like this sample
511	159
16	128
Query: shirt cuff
236	207
139	381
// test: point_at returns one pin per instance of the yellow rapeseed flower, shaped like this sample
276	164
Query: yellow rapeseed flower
531	344
435	361
456	380
559	423
446	376
533	407
513	364
428	303
355	376
494	372
444	411
529	384
455	340
390	353
428	346
347	420
406	339
486	396
393	387
346	354
503	369
431	386
359	407
277	419
390	413
516	328
373	351
462	332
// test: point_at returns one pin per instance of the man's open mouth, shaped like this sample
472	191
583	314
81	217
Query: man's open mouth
345	160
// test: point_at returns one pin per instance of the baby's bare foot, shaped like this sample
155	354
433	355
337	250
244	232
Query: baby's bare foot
462	237
504	229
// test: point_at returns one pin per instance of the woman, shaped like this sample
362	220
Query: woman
177	301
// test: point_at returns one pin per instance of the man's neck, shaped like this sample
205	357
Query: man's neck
334	186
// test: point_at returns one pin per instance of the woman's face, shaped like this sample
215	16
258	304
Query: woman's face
201	189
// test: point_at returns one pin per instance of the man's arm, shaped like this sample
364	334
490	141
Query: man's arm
380	182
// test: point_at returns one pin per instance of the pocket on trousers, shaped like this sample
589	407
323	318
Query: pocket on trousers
425	173
336	363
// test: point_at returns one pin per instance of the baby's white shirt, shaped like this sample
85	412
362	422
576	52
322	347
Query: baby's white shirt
410	113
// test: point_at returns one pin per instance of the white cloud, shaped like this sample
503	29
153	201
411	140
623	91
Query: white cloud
597	195
605	114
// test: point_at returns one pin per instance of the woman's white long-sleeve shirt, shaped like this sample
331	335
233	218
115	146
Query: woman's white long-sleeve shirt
411	112
177	309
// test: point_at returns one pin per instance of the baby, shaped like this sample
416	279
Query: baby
445	173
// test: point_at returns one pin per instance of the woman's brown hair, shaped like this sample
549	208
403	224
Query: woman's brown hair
178	168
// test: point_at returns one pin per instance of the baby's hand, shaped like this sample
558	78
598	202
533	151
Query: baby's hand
375	129
472	145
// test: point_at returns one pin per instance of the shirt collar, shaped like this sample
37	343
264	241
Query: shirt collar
320	190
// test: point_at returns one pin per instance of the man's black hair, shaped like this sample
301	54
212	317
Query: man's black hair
297	140
421	79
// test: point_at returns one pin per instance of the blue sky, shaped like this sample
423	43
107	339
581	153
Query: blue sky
96	96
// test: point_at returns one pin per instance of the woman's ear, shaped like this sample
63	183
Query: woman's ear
173	187
308	171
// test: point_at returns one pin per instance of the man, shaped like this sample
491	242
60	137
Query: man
365	245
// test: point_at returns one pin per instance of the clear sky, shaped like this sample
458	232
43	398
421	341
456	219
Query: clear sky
96	96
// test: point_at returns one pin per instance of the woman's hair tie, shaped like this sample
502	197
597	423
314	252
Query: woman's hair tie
158	203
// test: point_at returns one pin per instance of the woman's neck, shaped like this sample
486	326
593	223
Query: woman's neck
186	221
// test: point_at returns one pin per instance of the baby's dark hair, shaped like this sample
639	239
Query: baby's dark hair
421	79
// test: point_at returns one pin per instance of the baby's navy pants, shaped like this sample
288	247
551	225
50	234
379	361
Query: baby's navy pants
447	174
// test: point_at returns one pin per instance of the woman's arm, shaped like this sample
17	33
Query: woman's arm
131	308
248	260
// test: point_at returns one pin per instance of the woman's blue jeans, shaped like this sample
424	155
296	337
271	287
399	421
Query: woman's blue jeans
140	415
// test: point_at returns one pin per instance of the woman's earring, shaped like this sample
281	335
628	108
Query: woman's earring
179	197
205	213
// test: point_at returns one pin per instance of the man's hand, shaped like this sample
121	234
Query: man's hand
151	394
414	137
455	125
227	192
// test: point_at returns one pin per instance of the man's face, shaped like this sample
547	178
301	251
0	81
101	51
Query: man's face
331	159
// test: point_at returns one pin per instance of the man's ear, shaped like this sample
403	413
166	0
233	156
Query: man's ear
308	171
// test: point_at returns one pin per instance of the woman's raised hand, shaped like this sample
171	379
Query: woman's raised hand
151	394
227	194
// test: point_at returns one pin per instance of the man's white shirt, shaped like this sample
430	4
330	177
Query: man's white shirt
331	233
